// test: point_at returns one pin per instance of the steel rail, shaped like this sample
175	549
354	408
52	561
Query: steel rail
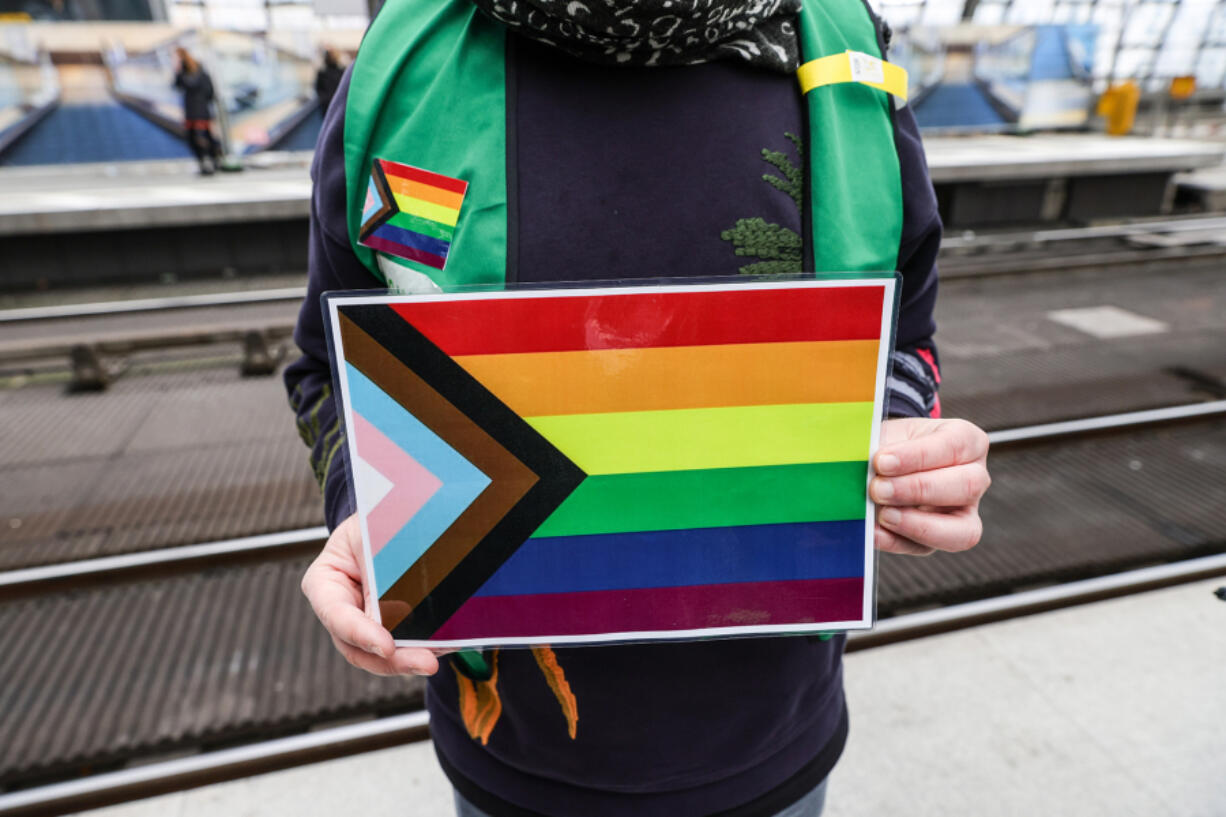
1006	239
1090	425
43	313
158	558
214	767
272	542
257	758
1028	602
988	265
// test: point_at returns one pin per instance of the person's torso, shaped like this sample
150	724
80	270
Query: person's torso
618	173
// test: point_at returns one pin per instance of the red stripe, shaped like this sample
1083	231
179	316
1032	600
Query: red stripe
928	357
656	610
403	251
640	320
416	174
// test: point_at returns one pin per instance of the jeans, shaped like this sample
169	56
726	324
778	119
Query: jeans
810	805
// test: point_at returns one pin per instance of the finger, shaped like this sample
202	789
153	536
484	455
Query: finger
364	660
952	442
352	626
953	531
953	487
893	543
414	661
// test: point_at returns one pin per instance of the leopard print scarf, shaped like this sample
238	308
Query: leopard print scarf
659	32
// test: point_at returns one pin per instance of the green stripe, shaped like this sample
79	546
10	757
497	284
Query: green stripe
417	224
725	497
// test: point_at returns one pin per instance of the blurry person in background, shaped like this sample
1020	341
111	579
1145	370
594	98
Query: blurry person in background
198	96
328	78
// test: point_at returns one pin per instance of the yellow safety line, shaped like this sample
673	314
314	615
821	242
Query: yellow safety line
836	69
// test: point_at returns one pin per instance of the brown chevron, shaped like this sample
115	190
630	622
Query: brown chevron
510	479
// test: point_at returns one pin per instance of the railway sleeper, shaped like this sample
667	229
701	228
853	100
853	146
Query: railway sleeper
95	366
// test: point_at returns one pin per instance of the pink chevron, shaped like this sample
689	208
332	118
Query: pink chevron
412	483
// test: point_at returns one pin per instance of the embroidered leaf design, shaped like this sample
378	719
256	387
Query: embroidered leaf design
755	237
780	248
793	181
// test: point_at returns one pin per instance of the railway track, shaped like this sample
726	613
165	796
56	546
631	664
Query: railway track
167	561
259	620
48	330
1081	510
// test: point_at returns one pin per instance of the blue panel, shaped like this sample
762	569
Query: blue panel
1051	58
957	106
679	558
462	481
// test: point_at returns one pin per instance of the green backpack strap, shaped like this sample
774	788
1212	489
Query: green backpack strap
856	197
428	89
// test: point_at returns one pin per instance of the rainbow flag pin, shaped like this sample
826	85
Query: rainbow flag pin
411	213
613	464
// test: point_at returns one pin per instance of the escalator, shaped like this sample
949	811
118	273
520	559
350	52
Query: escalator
101	132
304	134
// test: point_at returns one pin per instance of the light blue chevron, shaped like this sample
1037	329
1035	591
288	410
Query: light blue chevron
462	481
373	200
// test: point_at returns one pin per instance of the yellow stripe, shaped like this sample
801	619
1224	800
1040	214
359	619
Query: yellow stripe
836	70
695	439
424	209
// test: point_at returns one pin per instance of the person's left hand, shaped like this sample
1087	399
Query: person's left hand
931	475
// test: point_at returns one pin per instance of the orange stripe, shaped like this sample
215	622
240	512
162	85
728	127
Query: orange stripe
425	192
541	384
547	660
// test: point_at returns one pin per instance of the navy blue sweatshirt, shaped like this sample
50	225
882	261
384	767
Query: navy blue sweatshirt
637	173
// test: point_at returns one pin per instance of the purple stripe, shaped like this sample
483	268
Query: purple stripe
401	251
664	609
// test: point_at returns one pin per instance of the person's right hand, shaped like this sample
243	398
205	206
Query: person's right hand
333	585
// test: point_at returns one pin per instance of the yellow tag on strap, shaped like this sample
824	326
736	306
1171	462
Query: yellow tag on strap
853	66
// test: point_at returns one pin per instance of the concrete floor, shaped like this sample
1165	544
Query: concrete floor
1117	708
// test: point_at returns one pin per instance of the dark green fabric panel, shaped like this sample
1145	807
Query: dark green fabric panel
856	180
429	90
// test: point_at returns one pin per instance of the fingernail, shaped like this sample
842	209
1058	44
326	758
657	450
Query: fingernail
884	489
888	463
376	649
891	516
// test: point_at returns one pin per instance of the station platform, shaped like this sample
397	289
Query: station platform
111	209
997	157
81	198
995	180
150	221
1107	709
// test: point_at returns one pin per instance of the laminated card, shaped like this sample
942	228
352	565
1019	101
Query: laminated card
618	464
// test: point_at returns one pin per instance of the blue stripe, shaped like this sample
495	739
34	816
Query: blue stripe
417	241
680	558
462	481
